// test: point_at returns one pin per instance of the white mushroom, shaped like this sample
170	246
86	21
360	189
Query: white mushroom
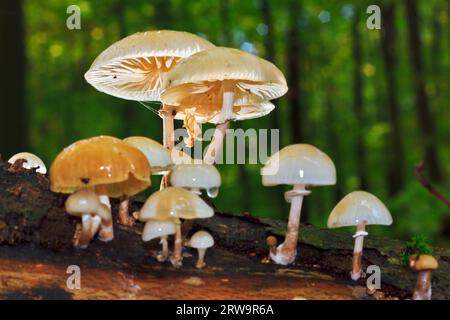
31	162
201	240
359	208
160	229
196	177
300	165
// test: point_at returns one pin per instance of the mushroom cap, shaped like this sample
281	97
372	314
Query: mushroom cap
299	164
358	207
201	240
201	175
32	161
200	80
173	203
103	161
133	68
424	262
180	157
82	202
156	229
156	153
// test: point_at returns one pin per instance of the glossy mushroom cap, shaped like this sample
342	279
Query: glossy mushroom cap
156	153
32	161
199	82
133	68
201	240
174	203
202	176
155	229
424	262
358	207
82	202
299	164
101	161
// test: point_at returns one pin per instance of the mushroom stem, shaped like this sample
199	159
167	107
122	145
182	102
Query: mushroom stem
423	287
84	235
165	250
168	141
101	191
106	228
212	154
177	257
287	251
357	251
201	258
124	217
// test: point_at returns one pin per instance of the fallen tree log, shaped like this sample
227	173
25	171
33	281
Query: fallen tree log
36	249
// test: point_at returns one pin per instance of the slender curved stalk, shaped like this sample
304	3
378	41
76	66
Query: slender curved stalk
177	257
106	232
201	259
358	251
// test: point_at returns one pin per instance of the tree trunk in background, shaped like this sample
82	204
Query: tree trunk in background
358	103
394	152
424	116
269	46
13	119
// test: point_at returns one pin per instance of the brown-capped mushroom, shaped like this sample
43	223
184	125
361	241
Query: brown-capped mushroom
423	264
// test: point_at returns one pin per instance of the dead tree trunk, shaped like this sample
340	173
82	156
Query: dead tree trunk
423	112
358	102
394	150
13	121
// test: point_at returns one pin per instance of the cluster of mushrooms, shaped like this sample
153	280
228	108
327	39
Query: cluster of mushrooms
195	82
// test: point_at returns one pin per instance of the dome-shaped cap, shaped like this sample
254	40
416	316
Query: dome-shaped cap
358	207
173	203
424	262
199	82
299	164
82	202
32	161
201	240
133	68
155	229
101	161
156	153
202	175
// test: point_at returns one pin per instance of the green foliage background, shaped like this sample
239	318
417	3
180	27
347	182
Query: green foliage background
63	108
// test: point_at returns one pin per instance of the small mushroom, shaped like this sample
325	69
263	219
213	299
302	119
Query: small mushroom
108	165
94	214
31	162
201	240
359	208
175	203
271	242
424	265
218	85
300	165
160	229
197	177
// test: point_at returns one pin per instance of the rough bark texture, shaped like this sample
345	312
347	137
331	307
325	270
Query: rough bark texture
35	250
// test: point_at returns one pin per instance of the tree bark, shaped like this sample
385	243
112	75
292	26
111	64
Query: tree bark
394	152
358	103
14	118
423	112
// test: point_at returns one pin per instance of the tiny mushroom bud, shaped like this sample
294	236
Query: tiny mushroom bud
31	162
300	165
424	265
359	208
86	204
271	242
201	240
160	229
175	203
196	177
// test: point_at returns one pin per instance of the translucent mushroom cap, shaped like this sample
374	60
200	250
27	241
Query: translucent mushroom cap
358	207
174	203
155	229
134	67
82	202
424	262
156	153
32	161
299	164
103	161
201	240
202	175
200	80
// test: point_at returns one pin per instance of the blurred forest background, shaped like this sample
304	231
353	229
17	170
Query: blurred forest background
376	101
